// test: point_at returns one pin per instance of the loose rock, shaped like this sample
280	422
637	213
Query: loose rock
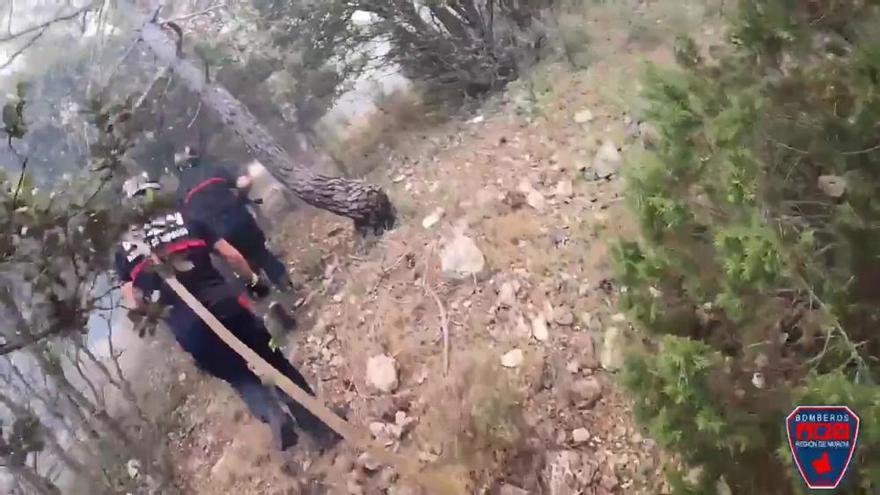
433	218
586	392
580	435
461	258
584	116
133	467
536	200
607	161
533	197
367	463
378	429
506	295
506	489
382	373
539	328
564	317
758	380
512	359
612	356
833	186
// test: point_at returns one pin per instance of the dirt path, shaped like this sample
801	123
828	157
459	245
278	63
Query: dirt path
529	404
512	180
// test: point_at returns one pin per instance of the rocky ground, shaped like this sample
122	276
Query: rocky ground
503	246
480	336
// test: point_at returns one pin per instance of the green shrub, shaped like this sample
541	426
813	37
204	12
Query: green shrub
757	267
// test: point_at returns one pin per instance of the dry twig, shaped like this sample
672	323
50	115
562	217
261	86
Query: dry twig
444	319
187	17
44	25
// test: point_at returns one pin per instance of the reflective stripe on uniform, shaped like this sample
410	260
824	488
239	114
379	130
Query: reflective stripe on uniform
201	185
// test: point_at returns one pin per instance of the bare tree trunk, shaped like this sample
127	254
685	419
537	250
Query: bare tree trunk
364	203
99	417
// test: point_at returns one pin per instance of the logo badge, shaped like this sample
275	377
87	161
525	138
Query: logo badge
822	440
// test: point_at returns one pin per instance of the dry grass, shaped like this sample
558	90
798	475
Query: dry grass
310	262
504	233
480	426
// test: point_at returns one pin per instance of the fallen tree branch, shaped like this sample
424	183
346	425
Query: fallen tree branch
366	204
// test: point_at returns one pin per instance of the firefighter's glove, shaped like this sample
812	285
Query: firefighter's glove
257	287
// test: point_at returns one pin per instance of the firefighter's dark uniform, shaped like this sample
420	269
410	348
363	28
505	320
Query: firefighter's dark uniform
207	194
191	243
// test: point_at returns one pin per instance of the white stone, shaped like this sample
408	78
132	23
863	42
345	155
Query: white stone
433	218
507	295
536	200
580	435
583	116
461	258
133	467
539	328
378	429
512	359
611	356
564	317
382	373
607	161
758	380
832	185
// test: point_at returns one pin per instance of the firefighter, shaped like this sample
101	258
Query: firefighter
210	194
188	246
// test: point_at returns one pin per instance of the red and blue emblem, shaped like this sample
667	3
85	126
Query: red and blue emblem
823	440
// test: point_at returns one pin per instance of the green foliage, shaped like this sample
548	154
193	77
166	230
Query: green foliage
13	114
300	54
22	438
758	211
458	49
